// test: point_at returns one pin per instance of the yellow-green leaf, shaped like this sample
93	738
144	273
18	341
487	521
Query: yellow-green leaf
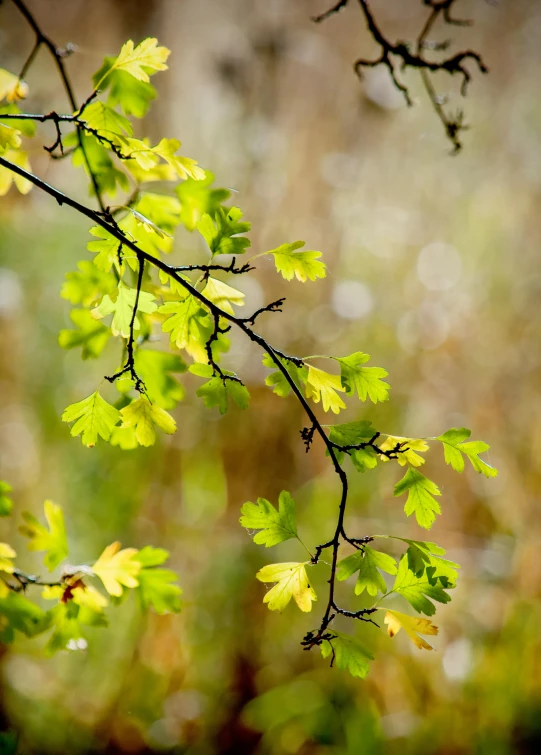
322	386
142	415
412	626
222	295
301	265
420	497
51	539
408	447
140	61
12	88
117	568
292	582
122	309
94	418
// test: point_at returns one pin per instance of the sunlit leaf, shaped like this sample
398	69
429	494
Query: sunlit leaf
222	232
122	309
274	525
219	391
421	501
141	61
348	654
94	418
366	381
88	333
420	591
413	626
301	265
292	582
322	386
143	416
117	568
51	539
455	443
367	562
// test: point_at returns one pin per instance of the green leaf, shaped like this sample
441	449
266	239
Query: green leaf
6	504
89	334
420	497
423	556
108	176
197	199
163	211
142	415
322	386
455	444
156	368
122	309
221	234
156	588
20	615
353	434
292	582
94	418
217	391
366	381
277	379
52	539
367	562
419	591
141	61
85	285
187	323
302	265
107	248
348	654
101	117
133	96
274	525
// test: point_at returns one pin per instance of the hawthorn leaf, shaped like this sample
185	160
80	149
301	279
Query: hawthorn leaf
86	284
108	250
428	556
322	386
412	626
274	525
122	309
367	562
366	381
26	127
6	554
6	504
187	322
101	117
218	391
9	137
277	379
156	369
222	295
142	415
21	615
348	654
419	590
197	199
408	447
51	539
88	333
420	501
141	61
184	167
7	177
93	417
12	87
132	95
117	568
455	443
301	265
222	232
352	434
292	582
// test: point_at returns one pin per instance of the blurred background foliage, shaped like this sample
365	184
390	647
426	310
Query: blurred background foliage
433	269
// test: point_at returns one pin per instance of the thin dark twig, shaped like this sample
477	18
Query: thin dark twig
59	56
401	52
275	306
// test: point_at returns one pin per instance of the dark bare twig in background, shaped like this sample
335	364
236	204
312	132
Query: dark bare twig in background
399	56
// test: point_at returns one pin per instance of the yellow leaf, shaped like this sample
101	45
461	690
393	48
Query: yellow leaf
322	386
409	456
116	568
90	597
20	158
184	167
6	553
135	60
143	415
292	582
222	295
412	626
11	86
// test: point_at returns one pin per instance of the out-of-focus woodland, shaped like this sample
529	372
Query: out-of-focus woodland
434	269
